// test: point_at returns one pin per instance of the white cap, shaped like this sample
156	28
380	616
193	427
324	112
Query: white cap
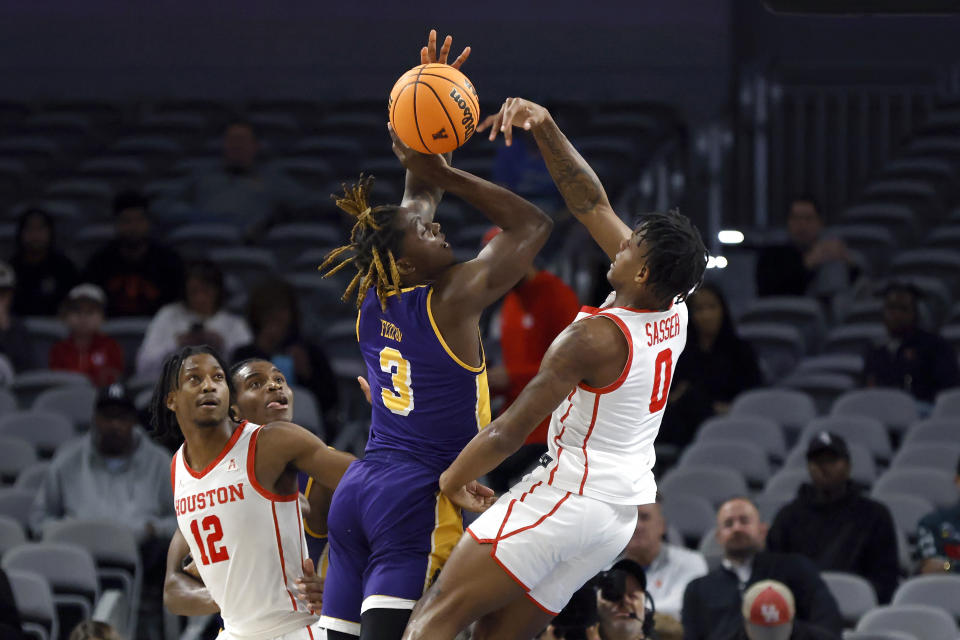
87	291
768	611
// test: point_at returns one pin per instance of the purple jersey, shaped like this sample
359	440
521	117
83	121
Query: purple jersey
426	401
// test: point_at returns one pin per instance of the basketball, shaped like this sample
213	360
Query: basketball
434	108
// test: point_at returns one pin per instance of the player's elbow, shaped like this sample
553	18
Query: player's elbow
505	439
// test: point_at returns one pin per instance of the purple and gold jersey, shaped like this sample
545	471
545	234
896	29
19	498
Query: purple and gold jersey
426	401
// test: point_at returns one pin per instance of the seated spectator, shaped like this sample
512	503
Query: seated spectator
834	525
274	317
533	313
711	604
44	274
197	319
811	263
138	274
938	538
622	605
87	350
94	630
714	367
768	614
669	568
917	361
242	191
9	615
15	343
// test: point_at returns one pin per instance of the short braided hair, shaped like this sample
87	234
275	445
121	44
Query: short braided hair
676	255
374	242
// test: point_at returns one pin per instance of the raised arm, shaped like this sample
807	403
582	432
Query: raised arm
577	182
184	594
592	350
282	445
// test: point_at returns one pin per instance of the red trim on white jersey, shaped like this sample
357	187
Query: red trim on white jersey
173	472
283	567
226	449
586	460
252	473
613	386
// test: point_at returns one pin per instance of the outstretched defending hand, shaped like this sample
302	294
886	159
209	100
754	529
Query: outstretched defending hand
515	112
473	496
427	167
428	54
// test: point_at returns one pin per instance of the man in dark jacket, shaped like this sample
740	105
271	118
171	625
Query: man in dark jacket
711	604
831	523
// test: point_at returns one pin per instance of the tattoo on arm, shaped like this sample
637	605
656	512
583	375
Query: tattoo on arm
578	184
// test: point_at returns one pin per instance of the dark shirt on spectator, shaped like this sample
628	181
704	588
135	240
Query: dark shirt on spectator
136	287
853	534
41	286
922	364
781	272
15	343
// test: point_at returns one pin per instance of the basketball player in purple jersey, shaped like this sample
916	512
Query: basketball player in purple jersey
390	530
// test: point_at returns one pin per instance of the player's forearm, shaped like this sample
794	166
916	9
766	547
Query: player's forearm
422	195
578	184
184	596
484	453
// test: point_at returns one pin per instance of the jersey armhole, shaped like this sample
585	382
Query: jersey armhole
252	473
443	343
613	386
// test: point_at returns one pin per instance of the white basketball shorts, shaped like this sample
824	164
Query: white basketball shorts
551	541
312	632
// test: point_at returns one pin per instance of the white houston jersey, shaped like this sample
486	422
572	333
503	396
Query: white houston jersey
601	440
247	542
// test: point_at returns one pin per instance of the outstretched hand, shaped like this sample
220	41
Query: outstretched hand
473	496
515	112
426	166
428	54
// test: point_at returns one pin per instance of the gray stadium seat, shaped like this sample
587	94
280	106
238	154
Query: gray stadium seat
895	408
939	263
692	515
864	430
291	241
933	430
250	265
854	338
8	402
923	621
12	534
947	404
786	482
715	484
29	384
306	410
878	635
779	347
743	456
45	430
936	486
69	570
16	454
854	595
129	333
75	402
16	503
939	455
938	590
790	409
34	599
763	432
906	510
801	312
44	333
770	504
823	387
32	477
194	240
875	242
850	364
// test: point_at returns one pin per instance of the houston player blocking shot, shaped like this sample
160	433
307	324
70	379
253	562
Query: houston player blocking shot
390	530
235	495
605	379
261	396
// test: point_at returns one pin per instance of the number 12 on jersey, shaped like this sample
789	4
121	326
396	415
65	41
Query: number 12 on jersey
663	369
210	552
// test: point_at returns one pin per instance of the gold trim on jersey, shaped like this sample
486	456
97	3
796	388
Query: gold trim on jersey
446	533
483	401
306	527
443	343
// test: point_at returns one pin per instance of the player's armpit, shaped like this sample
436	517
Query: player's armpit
182	593
593	350
281	444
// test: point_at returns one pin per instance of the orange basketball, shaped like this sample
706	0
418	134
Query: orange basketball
434	108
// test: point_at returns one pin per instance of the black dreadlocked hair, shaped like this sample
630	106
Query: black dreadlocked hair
675	255
374	242
163	420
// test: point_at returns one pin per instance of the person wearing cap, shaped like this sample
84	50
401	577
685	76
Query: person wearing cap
768	614
938	538
87	350
711	604
622	605
834	525
918	361
533	313
15	343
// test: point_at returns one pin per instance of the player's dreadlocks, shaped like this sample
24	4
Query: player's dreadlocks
675	255
374	242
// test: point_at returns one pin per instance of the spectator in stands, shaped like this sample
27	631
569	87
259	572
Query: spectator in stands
87	350
9	615
15	343
669	568
242	191
44	274
834	525
917	361
533	313
94	630
938	538
520	168
139	274
768	614
714	367
811	263
711	604
274	317
199	318
621	602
